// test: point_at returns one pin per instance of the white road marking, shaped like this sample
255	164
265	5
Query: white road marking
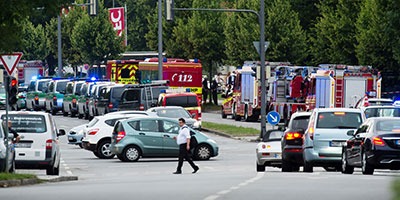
224	192
69	172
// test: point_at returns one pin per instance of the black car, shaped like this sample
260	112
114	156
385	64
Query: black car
109	98
292	141
375	145
140	97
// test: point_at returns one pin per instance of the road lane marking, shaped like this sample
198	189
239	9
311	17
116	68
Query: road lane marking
68	170
224	192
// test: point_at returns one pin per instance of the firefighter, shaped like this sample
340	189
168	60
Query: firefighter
296	86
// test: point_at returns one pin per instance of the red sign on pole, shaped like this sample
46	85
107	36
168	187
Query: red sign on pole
117	19
10	61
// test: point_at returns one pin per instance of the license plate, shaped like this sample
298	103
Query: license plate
70	138
23	145
336	144
398	142
277	155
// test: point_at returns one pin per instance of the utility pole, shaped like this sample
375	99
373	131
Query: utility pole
160	46
59	46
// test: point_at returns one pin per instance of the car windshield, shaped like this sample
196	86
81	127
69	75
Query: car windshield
273	135
42	85
349	120
300	122
61	86
184	101
173	113
31	86
78	88
382	112
131	95
27	123
117	92
388	126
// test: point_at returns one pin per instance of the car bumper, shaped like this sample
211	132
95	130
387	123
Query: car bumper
327	156
293	154
88	146
33	164
117	149
75	139
269	158
385	159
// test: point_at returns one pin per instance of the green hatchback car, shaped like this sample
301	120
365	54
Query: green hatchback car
155	137
70	99
55	95
35	96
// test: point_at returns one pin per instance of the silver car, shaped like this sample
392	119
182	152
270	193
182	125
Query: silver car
269	151
326	134
176	112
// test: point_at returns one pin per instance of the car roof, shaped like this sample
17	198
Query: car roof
337	110
383	106
297	114
129	112
383	118
166	107
382	99
25	112
154	117
180	94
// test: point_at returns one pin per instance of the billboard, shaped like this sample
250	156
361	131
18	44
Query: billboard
117	18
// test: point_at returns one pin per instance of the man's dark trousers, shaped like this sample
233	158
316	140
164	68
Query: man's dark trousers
183	153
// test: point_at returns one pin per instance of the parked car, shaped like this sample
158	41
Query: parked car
2	97
55	95
140	98
189	101
109	98
3	152
75	135
365	102
176	112
83	100
35	96
21	97
154	137
269	151
70	99
292	142
97	134
382	111
326	134
39	147
93	100
375	145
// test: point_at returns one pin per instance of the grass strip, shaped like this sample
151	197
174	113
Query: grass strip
210	107
231	130
396	189
11	176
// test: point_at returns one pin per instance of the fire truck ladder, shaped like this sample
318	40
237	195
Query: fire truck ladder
148	95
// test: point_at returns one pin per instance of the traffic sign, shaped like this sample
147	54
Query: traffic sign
86	66
10	61
257	46
273	118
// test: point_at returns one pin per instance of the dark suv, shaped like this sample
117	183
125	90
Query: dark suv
140	98
109	98
292	141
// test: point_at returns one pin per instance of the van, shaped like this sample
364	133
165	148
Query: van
140	98
109	98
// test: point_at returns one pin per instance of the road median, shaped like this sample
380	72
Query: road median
12	180
229	131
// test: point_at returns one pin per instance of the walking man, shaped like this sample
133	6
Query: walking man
183	141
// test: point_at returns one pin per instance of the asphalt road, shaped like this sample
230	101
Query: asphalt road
231	175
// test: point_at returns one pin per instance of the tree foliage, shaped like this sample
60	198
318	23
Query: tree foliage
35	45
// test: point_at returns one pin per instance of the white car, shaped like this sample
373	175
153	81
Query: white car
365	102
269	151
75	135
39	146
97	134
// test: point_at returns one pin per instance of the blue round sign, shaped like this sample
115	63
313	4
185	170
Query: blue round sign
273	118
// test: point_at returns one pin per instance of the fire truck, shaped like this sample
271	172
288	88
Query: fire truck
300	88
179	73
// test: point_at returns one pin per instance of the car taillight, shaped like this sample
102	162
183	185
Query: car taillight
21	97
36	97
141	107
93	132
292	136
110	105
49	144
74	100
265	154
311	133
54	98
120	136
378	141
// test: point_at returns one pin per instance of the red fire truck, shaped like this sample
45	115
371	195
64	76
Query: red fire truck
179	73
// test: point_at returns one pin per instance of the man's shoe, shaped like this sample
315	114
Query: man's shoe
195	170
177	172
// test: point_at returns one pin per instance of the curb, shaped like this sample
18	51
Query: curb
32	181
228	136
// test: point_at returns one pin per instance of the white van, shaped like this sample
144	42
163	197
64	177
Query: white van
39	146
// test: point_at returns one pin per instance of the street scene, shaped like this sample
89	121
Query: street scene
199	99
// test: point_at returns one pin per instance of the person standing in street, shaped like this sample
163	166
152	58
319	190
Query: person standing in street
214	91
205	89
183	140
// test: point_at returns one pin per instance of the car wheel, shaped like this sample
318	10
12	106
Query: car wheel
202	152
131	154
223	115
80	145
80	116
260	168
367	169
53	111
308	167
53	170
64	113
12	167
72	112
237	117
86	115
295	168
120	157
104	150
346	168
286	166
96	154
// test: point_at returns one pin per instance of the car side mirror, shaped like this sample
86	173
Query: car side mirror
193	115
61	132
350	133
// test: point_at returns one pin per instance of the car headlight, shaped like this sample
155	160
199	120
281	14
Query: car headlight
211	141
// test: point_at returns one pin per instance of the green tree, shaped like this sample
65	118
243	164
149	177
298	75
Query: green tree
13	15
95	38
335	32
34	42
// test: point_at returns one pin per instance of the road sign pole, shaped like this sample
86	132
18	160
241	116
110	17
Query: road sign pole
7	83
262	60
160	46
59	46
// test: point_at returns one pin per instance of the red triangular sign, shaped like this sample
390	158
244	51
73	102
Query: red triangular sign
10	61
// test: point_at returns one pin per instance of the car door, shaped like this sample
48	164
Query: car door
151	137
356	143
170	132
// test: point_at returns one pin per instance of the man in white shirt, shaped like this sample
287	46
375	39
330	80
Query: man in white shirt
183	140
